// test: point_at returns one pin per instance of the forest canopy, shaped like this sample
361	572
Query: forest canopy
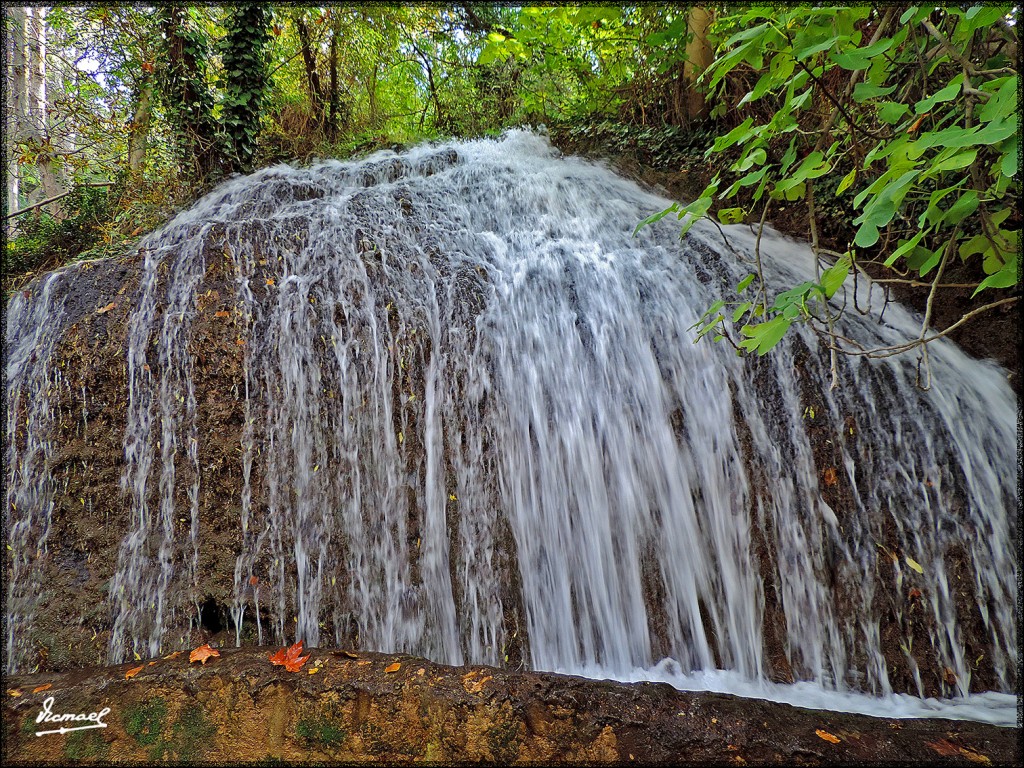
893	132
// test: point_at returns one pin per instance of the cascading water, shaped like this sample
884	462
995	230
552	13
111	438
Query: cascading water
475	428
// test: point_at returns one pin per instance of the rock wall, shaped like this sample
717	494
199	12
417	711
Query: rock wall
348	707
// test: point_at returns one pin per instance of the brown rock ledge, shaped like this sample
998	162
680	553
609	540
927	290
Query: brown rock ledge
345	707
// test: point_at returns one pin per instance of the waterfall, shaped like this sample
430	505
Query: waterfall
473	425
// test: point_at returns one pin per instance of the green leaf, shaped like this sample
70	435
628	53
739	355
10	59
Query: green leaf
656	217
908	13
744	283
738	134
694	211
740	311
847	182
764	336
813	48
1010	164
754	157
880	209
867	235
864	91
962	208
1004	278
1003	102
905	248
833	277
946	94
952	163
859	58
891	112
977	244
731	215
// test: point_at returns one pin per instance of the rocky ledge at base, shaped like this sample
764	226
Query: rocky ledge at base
355	707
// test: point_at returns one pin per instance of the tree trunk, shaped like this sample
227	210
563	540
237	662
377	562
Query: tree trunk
332	98
50	185
139	136
15	118
699	56
185	94
316	91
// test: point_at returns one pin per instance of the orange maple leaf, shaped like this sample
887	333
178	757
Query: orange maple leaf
202	653
291	658
133	672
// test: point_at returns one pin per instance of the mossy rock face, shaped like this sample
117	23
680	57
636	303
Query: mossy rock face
86	745
192	734
145	722
503	740
187	740
320	732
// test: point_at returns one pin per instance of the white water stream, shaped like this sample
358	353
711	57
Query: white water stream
475	419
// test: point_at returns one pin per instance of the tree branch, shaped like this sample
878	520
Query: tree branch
49	200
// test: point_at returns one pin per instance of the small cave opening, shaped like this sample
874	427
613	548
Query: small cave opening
211	616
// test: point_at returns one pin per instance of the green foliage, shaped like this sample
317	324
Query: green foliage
185	89
45	241
920	128
244	54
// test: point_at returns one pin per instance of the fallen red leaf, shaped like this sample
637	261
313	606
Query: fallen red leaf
104	310
202	653
914	593
393	667
133	672
829	476
291	658
827	736
254	580
41	688
222	313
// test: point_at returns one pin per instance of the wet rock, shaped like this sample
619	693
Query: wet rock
343	706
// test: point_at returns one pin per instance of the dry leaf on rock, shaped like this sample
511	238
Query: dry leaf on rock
393	667
133	672
202	653
290	658
827	736
41	688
